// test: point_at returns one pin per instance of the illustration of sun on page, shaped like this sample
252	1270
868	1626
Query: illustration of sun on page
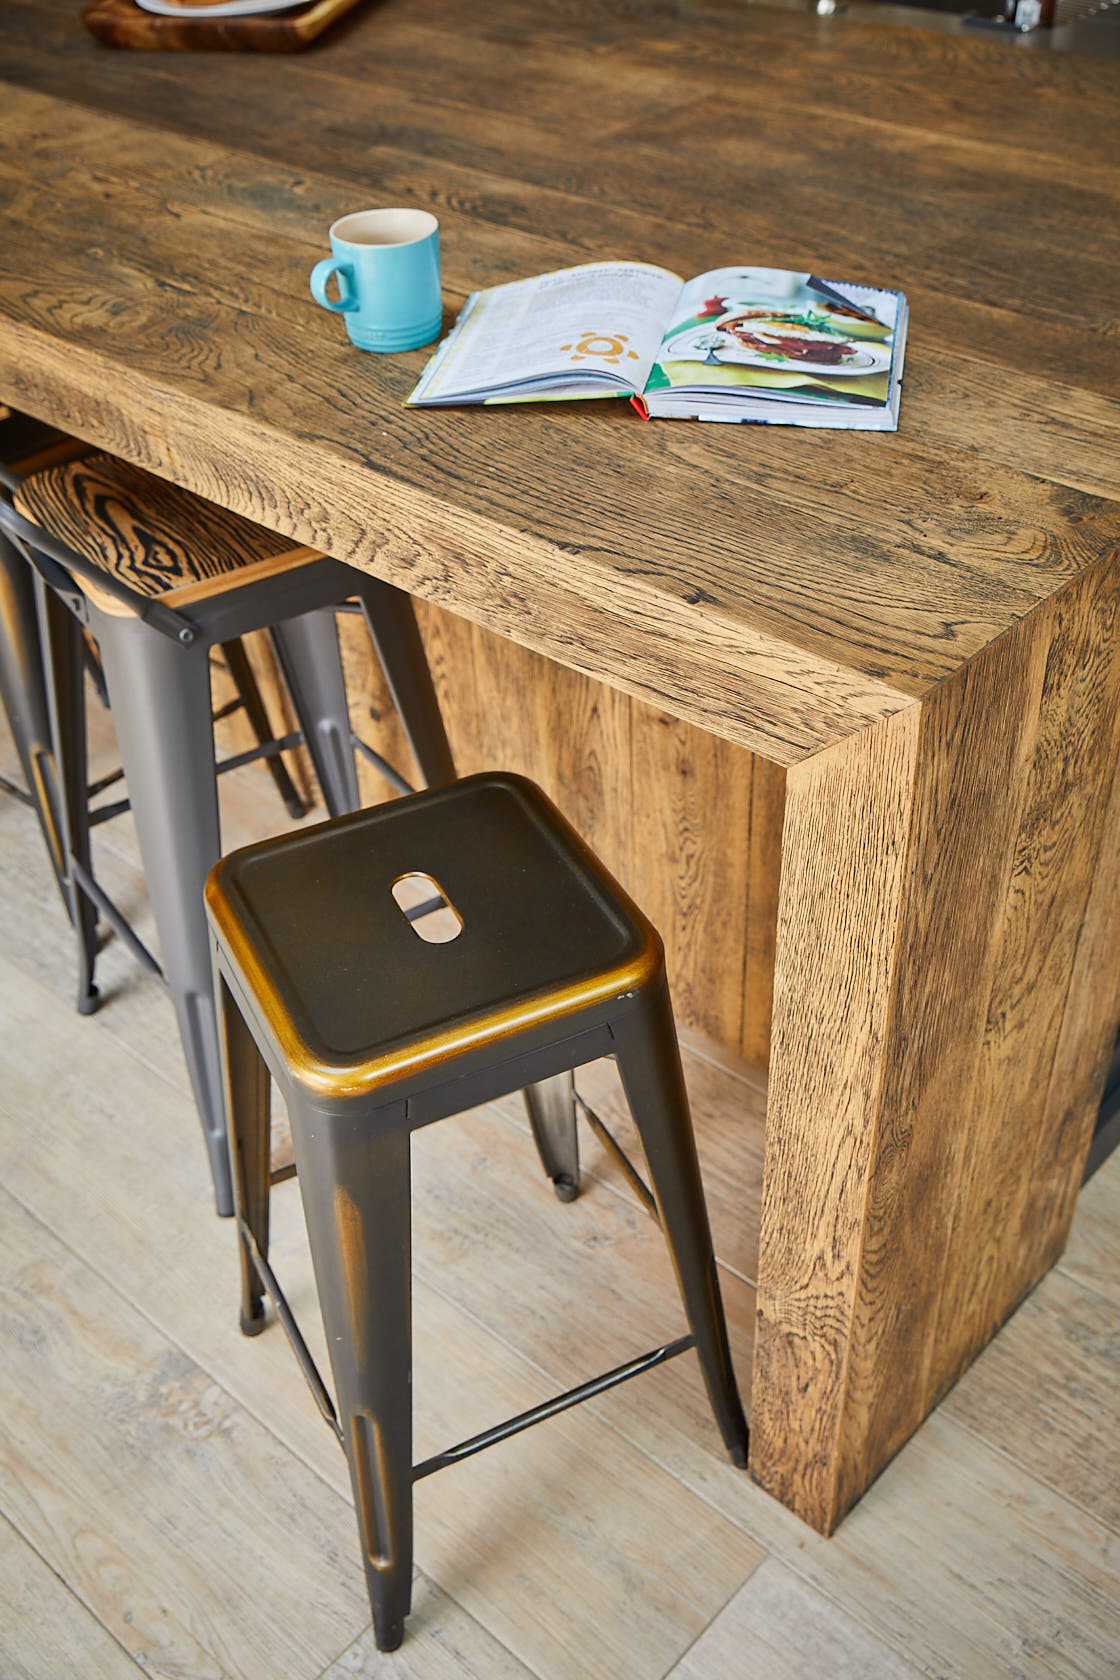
735	344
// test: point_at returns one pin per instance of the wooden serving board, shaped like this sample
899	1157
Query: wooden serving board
121	23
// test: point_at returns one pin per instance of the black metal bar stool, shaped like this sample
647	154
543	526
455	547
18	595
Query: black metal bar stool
522	959
161	576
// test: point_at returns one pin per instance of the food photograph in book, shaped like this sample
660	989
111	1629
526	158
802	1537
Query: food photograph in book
780	333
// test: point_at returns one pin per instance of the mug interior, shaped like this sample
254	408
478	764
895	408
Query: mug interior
384	227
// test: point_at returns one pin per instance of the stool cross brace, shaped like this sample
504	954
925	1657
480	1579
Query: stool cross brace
475	1443
524	1420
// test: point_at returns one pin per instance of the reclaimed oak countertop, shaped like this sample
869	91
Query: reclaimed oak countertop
917	630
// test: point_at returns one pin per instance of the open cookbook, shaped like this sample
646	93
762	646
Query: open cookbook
759	344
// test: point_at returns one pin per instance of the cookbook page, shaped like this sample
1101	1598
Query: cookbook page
600	323
774	332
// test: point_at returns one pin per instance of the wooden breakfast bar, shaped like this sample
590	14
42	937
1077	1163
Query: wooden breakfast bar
841	710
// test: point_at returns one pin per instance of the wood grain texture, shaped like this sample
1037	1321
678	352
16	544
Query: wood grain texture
979	515
898	647
1054	997
28	445
729	1121
1057	1423
838	912
921	1145
150	535
45	1625
780	1627
126	1394
959	1557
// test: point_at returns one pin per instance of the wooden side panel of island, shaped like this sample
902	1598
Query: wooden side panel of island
945	978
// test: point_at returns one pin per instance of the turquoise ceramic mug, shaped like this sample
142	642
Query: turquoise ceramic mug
387	263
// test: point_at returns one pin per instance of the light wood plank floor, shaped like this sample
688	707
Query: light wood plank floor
169	1501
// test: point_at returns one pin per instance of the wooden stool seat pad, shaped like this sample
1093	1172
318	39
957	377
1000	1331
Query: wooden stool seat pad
354	996
154	536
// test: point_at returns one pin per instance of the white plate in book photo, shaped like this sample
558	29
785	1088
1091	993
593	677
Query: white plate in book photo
714	345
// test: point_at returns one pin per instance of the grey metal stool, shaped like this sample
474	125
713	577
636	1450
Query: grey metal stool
160	576
28	446
370	1031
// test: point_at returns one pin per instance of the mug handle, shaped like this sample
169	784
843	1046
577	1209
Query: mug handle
321	273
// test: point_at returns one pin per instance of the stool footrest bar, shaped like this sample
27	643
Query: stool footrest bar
550	1408
291	1329
633	1177
268	750
112	915
16	792
106	813
104	782
392	776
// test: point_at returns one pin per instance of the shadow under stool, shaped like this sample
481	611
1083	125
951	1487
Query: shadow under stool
331	982
160	576
29	446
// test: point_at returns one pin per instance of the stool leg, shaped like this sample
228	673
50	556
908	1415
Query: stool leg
552	1115
64	667
649	1065
307	648
250	696
247	1113
23	691
356	1192
395	635
160	693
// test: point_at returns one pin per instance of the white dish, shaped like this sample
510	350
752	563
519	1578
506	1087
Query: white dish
226	8
717	348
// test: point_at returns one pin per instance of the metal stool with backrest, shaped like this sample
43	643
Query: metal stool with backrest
161	576
326	981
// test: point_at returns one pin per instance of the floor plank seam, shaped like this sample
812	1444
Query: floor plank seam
1081	1282
880	1635
120	1043
530	1672
172	1340
667	1673
694	1044
65	1585
1066	1496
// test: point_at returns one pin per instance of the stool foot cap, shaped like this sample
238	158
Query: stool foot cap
566	1187
389	1635
252	1325
739	1456
89	1002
